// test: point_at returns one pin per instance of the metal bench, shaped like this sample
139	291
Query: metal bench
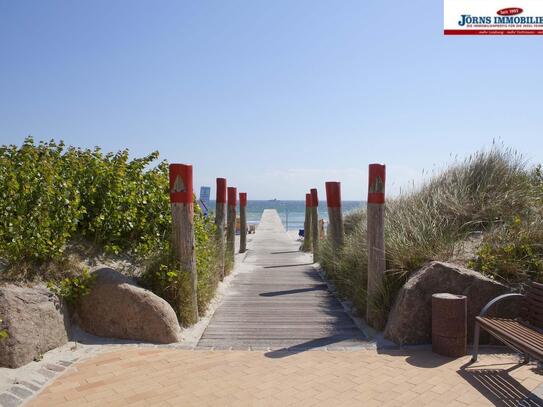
523	334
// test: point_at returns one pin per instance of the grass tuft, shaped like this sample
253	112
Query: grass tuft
491	194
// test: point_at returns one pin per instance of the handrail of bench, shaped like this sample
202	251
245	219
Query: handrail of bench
494	301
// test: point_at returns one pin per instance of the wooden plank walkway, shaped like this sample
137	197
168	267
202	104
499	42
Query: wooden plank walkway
279	300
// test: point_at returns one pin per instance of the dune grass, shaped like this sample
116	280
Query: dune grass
484	212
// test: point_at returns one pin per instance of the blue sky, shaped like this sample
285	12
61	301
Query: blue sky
277	96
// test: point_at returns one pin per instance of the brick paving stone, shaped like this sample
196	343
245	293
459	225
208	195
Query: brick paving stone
173	377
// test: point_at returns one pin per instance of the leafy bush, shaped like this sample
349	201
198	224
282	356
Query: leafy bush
51	194
486	193
73	288
512	252
54	196
127	205
40	208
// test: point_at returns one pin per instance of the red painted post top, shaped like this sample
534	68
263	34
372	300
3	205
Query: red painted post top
243	199
181	183
333	194
221	190
376	184
308	200
232	196
314	198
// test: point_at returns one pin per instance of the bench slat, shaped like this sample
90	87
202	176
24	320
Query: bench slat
519	329
518	334
526	333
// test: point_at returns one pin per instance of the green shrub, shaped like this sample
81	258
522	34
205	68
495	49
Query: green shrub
40	208
166	281
50	194
54	196
127	204
512	252
72	289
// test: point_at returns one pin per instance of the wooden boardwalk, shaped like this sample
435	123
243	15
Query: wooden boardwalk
279	300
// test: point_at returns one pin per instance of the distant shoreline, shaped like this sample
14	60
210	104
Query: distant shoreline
292	209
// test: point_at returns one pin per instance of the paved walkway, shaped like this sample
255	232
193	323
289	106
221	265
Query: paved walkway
162	377
280	301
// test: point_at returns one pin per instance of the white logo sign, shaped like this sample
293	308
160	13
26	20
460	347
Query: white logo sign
493	17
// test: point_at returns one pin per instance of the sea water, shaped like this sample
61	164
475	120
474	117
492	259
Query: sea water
292	213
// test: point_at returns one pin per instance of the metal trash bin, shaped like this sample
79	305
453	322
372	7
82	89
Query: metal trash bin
449	324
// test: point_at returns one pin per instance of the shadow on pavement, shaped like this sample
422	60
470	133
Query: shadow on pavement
287	265
499	387
320	287
309	345
417	355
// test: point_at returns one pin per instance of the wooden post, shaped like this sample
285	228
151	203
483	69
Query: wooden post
242	222
220	219
231	228
306	247
315	222
182	205
335	216
375	240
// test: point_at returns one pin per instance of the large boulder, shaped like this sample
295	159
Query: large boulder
410	320
117	308
36	321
